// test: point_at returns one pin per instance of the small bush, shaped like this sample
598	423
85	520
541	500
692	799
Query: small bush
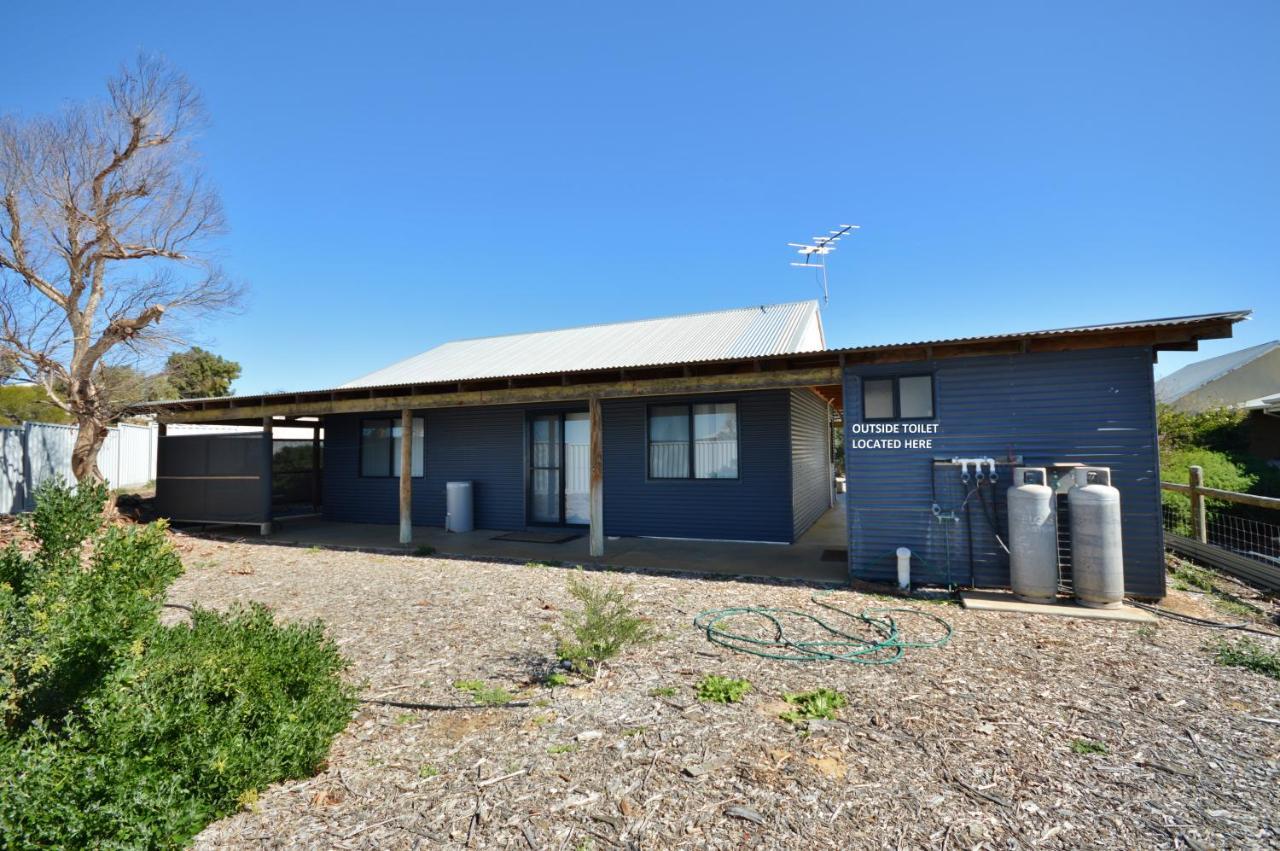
483	693
559	749
555	679
821	703
718	689
602	629
1248	653
663	691
1220	471
120	732
1087	746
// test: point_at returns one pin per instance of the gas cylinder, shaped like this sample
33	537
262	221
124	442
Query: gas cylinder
1033	536
1097	554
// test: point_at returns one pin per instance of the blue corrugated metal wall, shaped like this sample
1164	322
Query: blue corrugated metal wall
754	507
484	445
487	446
1092	407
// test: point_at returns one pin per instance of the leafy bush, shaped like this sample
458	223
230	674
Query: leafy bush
605	625
63	627
1218	429
120	732
718	689
1220	471
820	703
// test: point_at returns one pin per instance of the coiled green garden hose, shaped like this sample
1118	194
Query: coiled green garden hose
888	645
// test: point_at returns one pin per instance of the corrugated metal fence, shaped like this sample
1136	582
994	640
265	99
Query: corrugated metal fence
36	452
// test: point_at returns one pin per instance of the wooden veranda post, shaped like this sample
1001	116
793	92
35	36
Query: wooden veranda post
597	478
406	476
1199	527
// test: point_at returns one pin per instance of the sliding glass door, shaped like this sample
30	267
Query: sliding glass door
559	468
544	468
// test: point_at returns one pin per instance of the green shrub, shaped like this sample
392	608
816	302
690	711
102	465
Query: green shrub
1220	471
1248	653
1218	429
120	732
64	627
821	703
605	625
718	689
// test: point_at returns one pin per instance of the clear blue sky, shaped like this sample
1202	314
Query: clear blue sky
399	175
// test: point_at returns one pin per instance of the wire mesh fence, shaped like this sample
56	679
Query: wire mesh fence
1235	530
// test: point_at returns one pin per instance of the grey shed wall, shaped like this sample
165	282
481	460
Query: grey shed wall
810	460
1094	407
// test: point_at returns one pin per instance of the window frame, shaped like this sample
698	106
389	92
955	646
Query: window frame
692	441
897	397
392	424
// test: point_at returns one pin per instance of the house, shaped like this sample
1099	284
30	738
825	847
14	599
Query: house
1236	379
1247	379
713	426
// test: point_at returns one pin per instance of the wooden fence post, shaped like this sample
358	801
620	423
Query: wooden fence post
1199	528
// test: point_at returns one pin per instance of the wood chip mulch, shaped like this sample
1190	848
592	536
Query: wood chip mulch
968	746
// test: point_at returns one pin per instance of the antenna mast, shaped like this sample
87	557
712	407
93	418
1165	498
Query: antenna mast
822	246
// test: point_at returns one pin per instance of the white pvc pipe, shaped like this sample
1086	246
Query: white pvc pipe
904	568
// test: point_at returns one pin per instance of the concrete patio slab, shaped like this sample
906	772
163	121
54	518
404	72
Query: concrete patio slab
995	601
802	560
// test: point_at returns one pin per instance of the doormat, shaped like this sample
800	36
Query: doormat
557	537
835	555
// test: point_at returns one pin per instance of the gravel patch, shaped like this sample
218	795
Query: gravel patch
974	745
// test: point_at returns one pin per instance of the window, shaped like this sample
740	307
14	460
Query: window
907	397
693	441
380	447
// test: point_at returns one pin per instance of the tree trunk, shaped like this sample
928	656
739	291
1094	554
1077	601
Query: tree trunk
84	454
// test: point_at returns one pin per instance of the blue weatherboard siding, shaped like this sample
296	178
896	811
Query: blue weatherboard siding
487	446
810	460
1093	407
483	445
754	507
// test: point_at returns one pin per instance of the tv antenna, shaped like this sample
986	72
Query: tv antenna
822	246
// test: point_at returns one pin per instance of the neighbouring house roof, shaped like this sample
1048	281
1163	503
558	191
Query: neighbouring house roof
1198	375
767	329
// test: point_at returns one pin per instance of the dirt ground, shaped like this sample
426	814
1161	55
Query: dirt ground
967	746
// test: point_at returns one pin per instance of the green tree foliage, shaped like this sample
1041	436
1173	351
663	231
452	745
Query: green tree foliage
116	731
21	403
198	374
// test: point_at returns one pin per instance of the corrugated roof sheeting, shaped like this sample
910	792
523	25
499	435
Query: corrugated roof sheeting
380	381
721	335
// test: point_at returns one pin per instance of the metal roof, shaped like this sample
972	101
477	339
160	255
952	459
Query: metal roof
1195	376
767	329
1194	329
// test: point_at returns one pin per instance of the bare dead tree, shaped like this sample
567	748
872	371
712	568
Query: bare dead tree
105	225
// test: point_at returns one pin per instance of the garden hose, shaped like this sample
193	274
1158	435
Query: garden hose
888	644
